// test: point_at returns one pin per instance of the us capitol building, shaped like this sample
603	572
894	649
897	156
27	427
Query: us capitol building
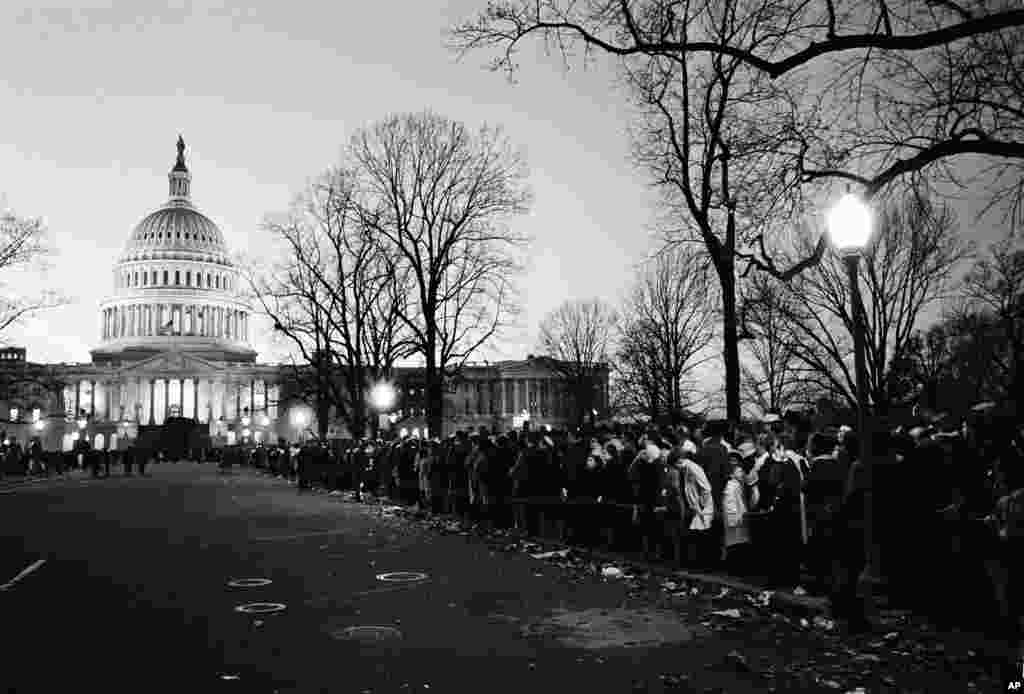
176	341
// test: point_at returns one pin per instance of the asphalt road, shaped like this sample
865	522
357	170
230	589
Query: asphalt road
134	596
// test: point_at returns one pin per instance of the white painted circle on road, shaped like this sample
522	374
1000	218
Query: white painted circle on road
249	582
402	576
260	607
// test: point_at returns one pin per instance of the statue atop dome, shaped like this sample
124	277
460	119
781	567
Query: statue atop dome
179	165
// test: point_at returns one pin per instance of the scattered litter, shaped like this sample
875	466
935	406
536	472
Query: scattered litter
738	659
765	597
799	591
538	575
804	623
669	585
891	636
230	677
560	553
824	623
831	684
725	591
734	613
612	572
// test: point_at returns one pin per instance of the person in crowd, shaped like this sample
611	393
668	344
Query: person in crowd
1007	572
824	494
473	461
483	471
586	491
675	502
458	474
575	456
524	476
305	468
850	527
734	505
424	461
747	451
550	486
713	458
700	507
786	508
646	479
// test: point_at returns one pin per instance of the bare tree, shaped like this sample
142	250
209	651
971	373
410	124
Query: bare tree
773	378
22	247
577	336
715	140
910	84
909	266
337	296
994	288
439	195
666	329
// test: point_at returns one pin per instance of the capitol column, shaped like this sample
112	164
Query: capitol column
152	401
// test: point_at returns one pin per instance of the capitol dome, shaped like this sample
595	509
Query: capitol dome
175	287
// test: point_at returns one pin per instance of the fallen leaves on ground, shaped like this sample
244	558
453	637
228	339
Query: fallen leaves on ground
908	650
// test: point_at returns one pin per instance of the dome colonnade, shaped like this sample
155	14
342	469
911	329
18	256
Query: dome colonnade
175	279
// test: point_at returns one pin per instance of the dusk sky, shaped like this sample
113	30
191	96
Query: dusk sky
95	97
265	97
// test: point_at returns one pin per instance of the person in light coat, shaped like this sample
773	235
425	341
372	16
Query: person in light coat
700	505
734	511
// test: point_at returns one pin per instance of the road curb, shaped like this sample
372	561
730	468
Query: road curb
782	601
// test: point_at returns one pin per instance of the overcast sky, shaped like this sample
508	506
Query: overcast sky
94	98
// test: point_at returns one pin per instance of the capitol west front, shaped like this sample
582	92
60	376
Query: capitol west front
176	340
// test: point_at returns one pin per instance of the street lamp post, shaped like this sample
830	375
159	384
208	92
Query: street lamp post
849	223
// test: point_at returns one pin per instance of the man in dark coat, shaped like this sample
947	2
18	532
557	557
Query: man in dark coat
850	526
713	458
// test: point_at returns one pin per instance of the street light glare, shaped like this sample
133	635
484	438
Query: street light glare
849	223
382	397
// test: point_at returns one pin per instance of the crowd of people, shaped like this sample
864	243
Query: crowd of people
785	504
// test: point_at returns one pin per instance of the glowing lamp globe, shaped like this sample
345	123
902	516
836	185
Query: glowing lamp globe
382	396
299	418
849	223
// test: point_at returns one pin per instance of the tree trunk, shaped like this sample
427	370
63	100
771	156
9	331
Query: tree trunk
323	417
730	338
435	395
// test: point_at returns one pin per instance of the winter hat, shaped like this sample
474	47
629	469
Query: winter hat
689	448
